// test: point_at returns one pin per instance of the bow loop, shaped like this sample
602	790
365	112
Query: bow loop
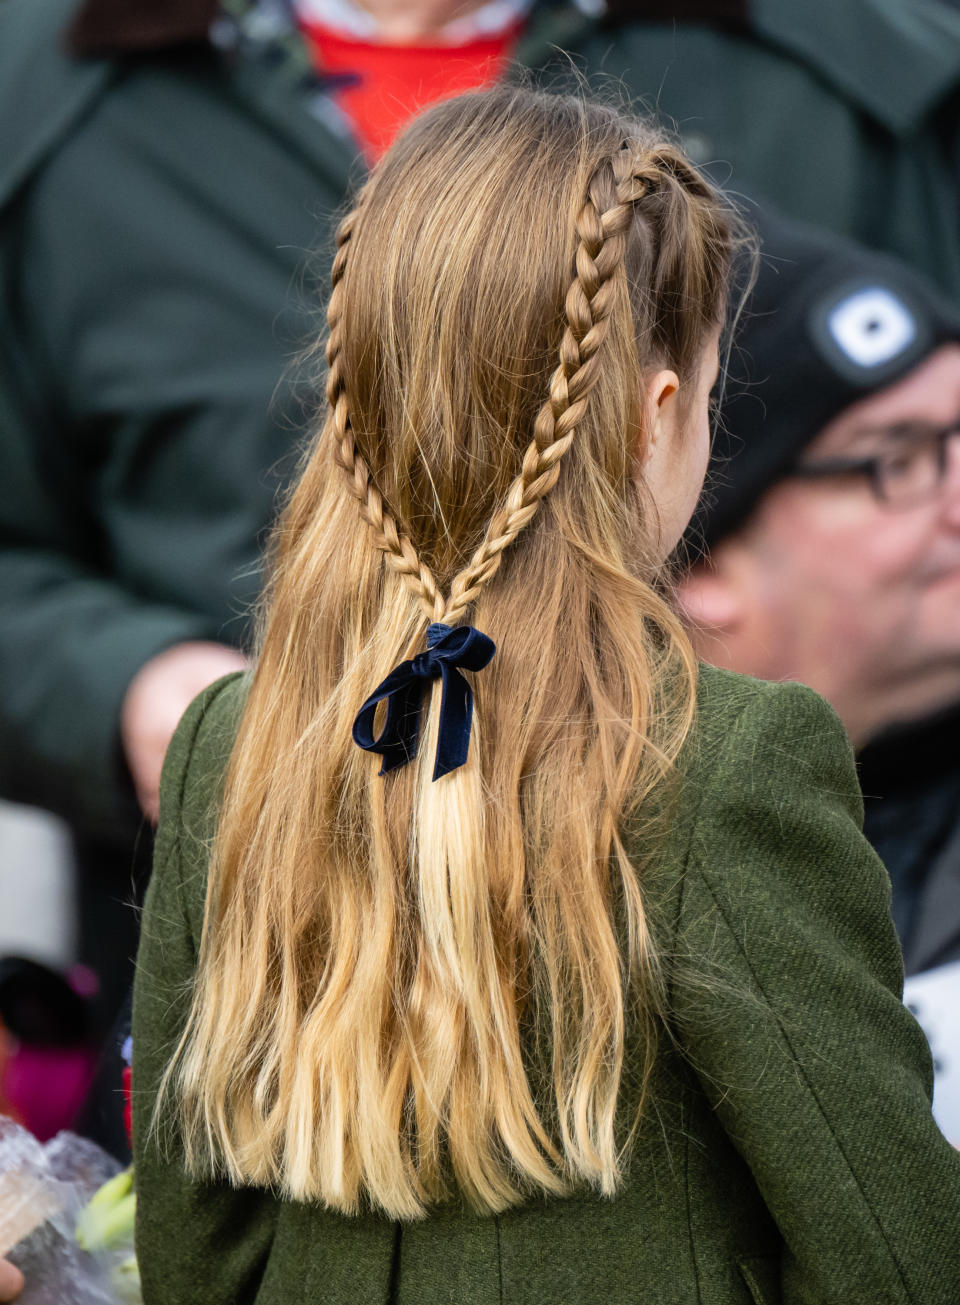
448	648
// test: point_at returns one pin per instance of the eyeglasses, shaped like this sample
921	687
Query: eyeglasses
910	473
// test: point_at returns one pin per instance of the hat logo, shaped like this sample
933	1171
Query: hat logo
872	326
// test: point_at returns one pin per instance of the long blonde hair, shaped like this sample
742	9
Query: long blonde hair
381	956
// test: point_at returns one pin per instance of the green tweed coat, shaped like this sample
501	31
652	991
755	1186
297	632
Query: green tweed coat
790	1155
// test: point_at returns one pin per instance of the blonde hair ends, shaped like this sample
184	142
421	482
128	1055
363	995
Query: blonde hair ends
377	950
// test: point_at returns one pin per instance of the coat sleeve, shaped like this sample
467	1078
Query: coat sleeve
72	634
197	1242
144	423
793	1021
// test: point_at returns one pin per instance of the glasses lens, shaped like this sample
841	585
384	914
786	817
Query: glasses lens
910	474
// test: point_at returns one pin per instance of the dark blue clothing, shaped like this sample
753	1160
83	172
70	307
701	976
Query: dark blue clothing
911	785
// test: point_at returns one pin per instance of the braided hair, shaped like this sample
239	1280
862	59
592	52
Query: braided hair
599	262
375	945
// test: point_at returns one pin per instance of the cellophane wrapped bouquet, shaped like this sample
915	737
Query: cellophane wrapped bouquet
66	1220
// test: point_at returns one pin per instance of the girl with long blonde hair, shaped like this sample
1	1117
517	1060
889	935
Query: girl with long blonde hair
494	950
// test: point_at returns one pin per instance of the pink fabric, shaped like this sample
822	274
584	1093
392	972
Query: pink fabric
46	1086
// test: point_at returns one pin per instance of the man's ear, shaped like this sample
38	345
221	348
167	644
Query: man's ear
709	597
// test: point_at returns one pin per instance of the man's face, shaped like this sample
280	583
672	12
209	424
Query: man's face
857	598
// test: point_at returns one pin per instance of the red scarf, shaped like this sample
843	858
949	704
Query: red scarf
394	82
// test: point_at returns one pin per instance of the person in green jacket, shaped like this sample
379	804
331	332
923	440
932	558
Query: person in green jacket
163	168
492	952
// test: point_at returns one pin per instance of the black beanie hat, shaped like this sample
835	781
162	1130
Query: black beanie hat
827	323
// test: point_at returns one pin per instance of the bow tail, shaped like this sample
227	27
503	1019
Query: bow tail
456	717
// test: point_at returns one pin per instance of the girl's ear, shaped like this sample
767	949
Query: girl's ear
662	387
661	391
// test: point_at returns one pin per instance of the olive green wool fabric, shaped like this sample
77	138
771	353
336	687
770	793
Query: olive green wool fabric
789	1156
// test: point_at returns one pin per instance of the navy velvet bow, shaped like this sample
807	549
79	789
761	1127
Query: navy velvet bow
447	648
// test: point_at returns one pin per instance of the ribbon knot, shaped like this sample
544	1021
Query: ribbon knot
448	648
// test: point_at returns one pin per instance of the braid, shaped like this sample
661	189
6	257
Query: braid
588	306
589	303
637	174
399	553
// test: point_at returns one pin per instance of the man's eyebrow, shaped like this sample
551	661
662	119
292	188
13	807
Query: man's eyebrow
908	428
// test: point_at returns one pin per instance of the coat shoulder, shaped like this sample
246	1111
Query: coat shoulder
897	59
746	725
192	785
894	60
203	740
724	696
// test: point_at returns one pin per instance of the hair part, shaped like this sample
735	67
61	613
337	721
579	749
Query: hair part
381	956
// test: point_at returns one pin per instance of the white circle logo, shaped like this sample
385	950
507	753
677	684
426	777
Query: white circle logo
872	326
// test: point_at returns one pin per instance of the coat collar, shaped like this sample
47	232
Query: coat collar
45	87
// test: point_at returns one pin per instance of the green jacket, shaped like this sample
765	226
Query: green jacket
790	1154
154	212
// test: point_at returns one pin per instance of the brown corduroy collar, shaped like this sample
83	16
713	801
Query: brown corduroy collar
108	26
